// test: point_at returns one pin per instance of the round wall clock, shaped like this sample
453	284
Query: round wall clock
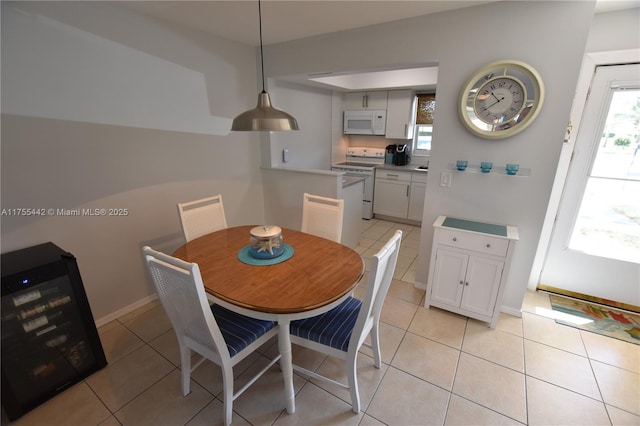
501	99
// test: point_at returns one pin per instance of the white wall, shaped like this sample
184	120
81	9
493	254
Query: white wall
309	147
284	189
102	108
460	42
615	30
339	142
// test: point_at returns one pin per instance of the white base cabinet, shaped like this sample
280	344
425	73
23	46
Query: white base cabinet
469	265
417	196
391	193
399	194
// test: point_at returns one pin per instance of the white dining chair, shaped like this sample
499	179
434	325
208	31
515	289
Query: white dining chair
217	334
201	217
322	216
342	331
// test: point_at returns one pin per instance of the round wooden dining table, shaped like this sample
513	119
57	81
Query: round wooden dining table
317	277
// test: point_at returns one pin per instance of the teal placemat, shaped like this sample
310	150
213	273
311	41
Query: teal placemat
245	257
470	225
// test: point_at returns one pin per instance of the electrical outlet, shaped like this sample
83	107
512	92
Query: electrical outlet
445	179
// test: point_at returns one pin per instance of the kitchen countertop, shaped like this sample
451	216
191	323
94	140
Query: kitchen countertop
407	168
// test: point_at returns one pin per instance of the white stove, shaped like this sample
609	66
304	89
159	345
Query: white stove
360	158
362	162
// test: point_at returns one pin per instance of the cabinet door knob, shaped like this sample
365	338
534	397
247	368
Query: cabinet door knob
488	245
455	239
467	283
461	282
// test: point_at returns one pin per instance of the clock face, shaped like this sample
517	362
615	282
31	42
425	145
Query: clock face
501	99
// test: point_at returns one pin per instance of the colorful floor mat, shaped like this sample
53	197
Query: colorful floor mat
599	319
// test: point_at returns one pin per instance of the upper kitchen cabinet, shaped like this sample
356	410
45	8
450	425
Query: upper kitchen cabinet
401	114
365	100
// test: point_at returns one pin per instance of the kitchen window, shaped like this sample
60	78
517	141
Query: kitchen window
422	139
426	104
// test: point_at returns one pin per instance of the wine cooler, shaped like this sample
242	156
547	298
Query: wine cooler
49	337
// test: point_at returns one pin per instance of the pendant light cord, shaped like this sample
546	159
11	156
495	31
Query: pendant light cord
261	53
263	117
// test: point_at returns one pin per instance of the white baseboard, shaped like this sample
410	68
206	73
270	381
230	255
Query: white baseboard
510	311
127	309
397	220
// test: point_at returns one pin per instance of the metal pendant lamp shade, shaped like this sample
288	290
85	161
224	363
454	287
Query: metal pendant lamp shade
263	116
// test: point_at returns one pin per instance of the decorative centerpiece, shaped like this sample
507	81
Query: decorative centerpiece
266	242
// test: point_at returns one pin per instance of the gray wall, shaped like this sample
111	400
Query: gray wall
462	41
105	109
309	147
615	31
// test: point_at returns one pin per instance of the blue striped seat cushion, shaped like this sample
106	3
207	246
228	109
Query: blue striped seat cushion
333	328
239	331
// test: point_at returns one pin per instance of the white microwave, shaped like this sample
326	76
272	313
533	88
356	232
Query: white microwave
365	122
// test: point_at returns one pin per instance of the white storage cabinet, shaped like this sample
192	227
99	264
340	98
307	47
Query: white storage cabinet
401	114
365	100
469	265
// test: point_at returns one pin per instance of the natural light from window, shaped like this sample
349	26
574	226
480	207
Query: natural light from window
555	315
423	137
608	222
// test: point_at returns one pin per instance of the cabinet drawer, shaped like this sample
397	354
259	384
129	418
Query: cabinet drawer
419	177
390	175
476	242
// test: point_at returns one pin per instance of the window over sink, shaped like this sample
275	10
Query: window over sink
426	104
422	140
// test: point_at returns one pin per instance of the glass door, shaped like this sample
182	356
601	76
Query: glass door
595	247
608	219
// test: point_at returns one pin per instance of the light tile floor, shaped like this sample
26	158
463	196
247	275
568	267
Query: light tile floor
438	368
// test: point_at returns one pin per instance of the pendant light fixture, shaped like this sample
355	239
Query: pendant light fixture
263	116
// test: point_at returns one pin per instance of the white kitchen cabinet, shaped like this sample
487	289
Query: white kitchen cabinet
399	194
469	265
401	114
365	100
391	193
417	195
